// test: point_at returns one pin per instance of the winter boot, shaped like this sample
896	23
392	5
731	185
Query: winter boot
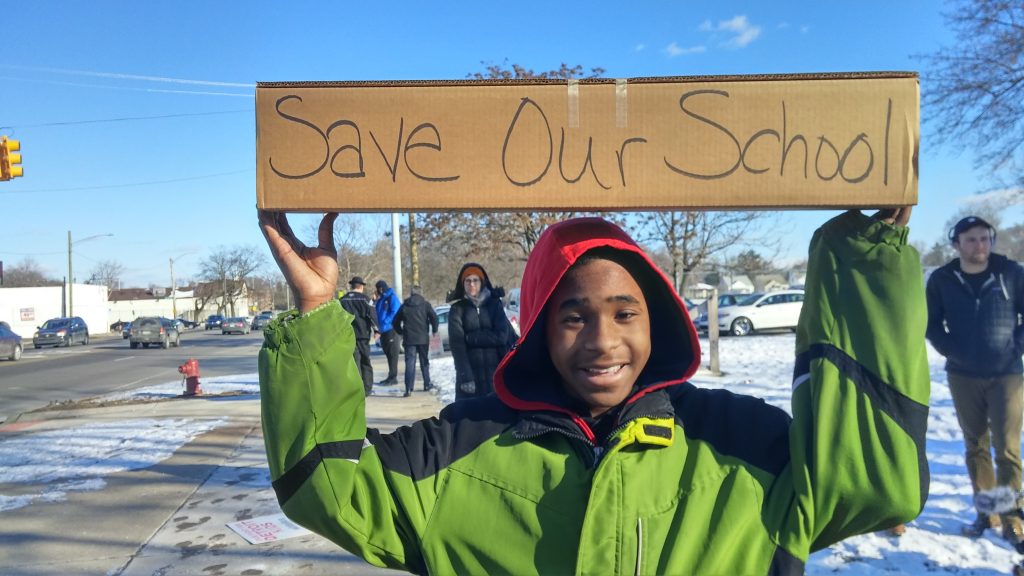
897	530
982	523
1013	529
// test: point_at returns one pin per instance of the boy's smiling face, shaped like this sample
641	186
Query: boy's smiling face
598	333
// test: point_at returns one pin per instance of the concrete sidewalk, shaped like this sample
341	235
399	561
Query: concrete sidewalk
170	519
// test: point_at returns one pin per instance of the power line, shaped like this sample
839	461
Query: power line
125	119
103	187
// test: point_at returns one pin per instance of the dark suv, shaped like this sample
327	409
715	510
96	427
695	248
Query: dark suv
61	332
154	330
213	321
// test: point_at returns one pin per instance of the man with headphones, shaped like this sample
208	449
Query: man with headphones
974	306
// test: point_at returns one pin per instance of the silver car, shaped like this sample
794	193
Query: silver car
442	312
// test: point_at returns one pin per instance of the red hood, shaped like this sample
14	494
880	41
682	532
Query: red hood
526	379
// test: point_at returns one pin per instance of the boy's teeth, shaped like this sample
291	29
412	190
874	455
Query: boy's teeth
603	370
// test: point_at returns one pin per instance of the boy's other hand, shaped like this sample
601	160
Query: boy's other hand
894	216
311	272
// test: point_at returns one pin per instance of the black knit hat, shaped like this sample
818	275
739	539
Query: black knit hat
966	224
356	281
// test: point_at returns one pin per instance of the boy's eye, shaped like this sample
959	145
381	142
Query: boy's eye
572	319
625	315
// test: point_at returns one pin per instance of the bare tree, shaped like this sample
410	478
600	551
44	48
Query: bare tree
27	273
690	238
230	268
107	273
974	89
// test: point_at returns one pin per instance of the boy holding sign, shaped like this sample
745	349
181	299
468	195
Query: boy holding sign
595	455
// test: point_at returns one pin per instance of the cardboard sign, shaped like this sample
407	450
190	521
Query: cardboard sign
780	141
267	529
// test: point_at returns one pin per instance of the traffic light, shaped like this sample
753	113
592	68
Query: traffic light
10	160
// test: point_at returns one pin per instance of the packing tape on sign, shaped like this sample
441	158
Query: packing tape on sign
621	109
574	103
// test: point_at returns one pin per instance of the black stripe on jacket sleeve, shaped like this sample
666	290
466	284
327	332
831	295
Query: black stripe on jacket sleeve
289	483
910	416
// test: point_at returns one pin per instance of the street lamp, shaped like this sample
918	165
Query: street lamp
71	279
174	291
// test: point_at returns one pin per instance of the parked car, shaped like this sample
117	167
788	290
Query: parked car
10	343
118	326
154	330
188	323
61	332
726	299
442	312
761	311
261	320
236	325
213	321
179	324
126	330
512	308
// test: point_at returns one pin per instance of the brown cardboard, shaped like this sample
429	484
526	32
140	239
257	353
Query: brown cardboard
778	141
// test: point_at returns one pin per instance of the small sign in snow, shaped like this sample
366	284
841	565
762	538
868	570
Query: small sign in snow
267	529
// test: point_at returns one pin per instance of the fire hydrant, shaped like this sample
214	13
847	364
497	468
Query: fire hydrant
190	372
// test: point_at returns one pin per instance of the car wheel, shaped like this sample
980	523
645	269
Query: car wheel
741	327
85	341
36	346
16	355
133	345
165	343
177	341
67	342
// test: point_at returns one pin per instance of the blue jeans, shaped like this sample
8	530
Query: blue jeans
411	352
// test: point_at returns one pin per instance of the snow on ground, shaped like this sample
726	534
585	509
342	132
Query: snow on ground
52	463
46	465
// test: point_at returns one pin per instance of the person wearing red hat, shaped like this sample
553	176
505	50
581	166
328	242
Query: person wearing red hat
479	332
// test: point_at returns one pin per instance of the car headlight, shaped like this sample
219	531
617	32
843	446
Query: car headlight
61	333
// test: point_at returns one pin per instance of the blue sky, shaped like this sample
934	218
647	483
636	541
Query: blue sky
180	77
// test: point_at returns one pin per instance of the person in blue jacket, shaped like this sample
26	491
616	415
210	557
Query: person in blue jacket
387	305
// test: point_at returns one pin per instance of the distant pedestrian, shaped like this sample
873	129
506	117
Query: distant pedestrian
974	307
479	333
364	324
387	304
416	321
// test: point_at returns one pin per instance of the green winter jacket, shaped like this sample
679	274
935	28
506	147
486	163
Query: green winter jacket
689	480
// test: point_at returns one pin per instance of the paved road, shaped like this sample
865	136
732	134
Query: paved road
108	365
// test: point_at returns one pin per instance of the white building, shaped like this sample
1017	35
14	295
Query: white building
25	309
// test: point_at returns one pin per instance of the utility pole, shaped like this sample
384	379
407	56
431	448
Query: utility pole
70	278
174	288
713	333
396	249
414	250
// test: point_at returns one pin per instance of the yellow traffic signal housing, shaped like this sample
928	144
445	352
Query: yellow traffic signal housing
10	160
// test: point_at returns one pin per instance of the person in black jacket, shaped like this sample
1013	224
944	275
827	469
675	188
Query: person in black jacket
479	333
364	324
415	322
974	305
